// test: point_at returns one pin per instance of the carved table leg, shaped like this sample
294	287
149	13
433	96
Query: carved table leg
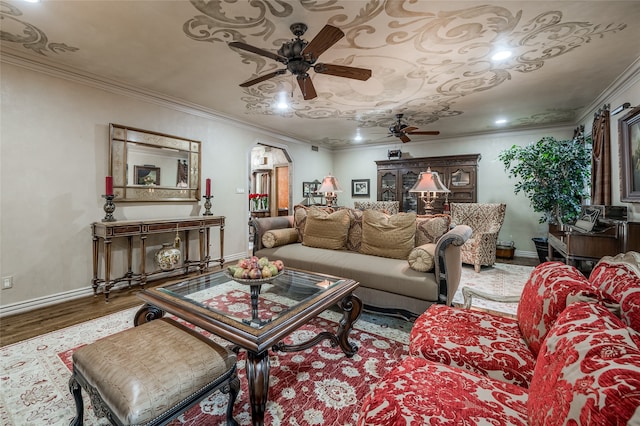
258	378
351	309
147	313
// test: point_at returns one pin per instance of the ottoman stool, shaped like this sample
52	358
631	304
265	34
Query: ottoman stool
150	374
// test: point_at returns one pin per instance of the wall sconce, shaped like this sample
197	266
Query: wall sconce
330	186
429	185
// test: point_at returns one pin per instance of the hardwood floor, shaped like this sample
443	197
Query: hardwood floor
22	326
15	328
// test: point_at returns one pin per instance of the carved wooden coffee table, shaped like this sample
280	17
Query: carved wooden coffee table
216	303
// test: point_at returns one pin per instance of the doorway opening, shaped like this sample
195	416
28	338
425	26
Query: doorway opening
270	191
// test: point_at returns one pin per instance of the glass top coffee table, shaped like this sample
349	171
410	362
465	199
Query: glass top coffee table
257	316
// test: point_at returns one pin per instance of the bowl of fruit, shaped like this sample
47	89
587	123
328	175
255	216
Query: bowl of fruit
254	270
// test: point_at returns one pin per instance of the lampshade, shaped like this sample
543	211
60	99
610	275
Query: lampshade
429	182
329	187
330	184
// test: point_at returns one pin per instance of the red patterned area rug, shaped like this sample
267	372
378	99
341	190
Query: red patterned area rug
318	386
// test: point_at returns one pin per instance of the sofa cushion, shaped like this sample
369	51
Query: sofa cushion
544	296
421	392
388	207
430	227
326	230
421	258
477	341
300	218
279	237
619	278
587	371
388	236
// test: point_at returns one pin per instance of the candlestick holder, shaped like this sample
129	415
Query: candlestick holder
207	205
109	208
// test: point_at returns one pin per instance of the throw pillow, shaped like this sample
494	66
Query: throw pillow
388	207
388	236
619	278
279	237
544	297
422	258
326	230
300	218
587	371
430	227
354	236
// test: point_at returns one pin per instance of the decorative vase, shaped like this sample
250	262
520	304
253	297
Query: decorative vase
265	203
168	257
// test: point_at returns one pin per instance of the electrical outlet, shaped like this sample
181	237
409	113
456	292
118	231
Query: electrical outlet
7	282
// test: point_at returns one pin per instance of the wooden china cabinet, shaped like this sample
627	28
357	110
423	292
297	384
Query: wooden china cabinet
457	172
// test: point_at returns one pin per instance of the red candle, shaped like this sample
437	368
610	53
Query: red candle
109	185
208	186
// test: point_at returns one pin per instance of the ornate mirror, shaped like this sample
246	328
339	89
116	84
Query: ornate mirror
150	166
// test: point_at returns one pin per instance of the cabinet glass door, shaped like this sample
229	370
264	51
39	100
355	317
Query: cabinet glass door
388	187
409	199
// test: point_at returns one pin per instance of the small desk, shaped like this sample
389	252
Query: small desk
106	232
204	301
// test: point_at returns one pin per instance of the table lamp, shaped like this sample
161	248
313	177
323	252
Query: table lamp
429	185
330	186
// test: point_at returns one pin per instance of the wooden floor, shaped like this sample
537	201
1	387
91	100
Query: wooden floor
26	325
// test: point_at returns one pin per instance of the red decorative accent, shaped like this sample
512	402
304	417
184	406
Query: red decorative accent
109	185
208	187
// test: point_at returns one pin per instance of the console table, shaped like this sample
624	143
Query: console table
104	233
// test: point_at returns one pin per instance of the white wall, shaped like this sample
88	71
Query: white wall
54	157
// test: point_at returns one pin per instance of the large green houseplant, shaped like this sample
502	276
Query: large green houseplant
553	174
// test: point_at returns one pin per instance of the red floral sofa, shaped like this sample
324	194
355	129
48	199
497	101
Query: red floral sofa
572	356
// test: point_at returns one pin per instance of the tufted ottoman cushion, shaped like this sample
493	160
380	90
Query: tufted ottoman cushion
151	373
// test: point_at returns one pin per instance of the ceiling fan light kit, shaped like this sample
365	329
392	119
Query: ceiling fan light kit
401	130
299	56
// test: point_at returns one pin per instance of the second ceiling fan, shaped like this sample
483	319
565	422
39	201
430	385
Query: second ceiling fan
299	56
400	129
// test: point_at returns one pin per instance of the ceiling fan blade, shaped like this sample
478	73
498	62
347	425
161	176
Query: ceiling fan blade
327	37
306	86
343	71
258	51
434	132
404	138
263	78
409	129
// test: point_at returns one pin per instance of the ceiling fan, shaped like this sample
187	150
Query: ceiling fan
401	129
299	56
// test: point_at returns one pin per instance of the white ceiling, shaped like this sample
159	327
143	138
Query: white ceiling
430	60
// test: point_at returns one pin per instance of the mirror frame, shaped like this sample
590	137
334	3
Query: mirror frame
121	136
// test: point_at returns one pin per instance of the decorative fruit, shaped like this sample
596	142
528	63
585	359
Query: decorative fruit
266	272
256	268
238	273
279	264
263	261
254	274
272	268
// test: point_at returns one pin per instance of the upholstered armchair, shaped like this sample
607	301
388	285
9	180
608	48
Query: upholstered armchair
389	207
485	220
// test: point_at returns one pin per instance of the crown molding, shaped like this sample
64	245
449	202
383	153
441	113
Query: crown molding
51	68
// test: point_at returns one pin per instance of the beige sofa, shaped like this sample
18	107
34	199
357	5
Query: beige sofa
373	248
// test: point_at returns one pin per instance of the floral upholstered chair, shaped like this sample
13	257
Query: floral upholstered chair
388	207
485	220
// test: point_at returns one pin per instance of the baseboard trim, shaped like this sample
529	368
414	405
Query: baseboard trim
41	302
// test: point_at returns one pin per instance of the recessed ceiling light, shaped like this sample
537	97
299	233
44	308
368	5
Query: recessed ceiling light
32	1
501	55
282	103
358	137
501	121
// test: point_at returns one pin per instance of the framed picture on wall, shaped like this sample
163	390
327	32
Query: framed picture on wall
360	187
629	139
146	175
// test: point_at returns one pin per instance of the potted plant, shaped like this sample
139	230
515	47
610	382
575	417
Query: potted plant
553	174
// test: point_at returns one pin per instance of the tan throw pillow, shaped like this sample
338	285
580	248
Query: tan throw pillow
388	236
422	258
354	236
430	227
326	230
300	218
279	237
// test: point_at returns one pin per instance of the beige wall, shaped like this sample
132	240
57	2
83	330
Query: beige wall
54	156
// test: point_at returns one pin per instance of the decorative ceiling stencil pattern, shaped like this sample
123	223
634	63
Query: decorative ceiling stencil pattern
429	60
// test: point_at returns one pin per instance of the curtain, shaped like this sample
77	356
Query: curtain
601	158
